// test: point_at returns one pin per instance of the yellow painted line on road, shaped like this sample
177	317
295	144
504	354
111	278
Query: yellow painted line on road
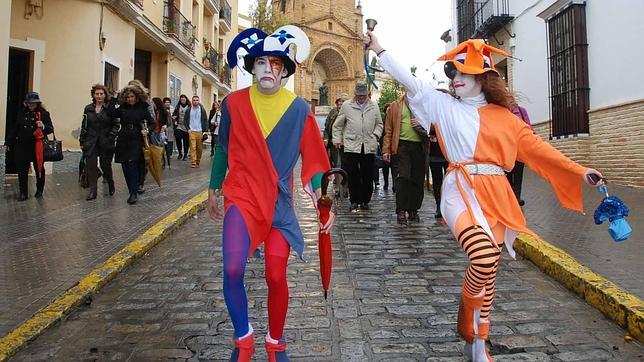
625	309
79	293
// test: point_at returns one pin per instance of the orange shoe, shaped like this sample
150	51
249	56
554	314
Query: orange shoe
244	349
468	315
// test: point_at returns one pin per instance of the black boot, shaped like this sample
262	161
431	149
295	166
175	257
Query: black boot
22	197
92	194
180	156
38	194
141	189
132	199
110	185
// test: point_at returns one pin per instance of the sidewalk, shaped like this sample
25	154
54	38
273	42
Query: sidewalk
395	293
578	235
48	245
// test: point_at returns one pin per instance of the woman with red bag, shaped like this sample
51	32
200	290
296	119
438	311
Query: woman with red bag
32	125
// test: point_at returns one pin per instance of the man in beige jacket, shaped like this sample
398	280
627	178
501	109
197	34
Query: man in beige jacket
358	128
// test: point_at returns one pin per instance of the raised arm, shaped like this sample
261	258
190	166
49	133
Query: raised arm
426	103
403	75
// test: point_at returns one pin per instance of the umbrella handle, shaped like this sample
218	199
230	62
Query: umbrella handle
338	171
603	189
146	142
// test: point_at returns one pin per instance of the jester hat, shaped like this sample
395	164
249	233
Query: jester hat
472	56
288	42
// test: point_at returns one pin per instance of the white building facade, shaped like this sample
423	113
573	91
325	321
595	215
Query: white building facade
575	69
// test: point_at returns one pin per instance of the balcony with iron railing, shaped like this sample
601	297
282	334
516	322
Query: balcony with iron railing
213	4
225	75
210	58
225	16
481	18
178	26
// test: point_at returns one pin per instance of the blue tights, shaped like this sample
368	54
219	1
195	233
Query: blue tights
236	244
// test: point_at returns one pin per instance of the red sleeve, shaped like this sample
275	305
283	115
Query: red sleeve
314	157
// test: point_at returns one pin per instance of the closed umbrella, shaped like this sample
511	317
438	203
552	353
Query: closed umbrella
39	148
324	240
153	155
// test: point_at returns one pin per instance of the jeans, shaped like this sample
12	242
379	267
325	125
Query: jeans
131	172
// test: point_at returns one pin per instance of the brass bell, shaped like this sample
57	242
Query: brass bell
371	24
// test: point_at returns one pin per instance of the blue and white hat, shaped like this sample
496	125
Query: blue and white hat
287	42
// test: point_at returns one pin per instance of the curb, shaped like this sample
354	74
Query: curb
625	309
90	284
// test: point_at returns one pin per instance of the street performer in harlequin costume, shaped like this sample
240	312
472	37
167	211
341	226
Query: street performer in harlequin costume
482	139
264	129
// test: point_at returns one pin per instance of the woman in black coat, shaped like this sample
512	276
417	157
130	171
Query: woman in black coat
21	139
135	120
180	127
98	133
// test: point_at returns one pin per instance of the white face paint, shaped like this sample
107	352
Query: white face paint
269	72
466	85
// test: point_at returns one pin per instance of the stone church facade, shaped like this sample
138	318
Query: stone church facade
335	28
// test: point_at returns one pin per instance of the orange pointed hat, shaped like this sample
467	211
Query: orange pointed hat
473	56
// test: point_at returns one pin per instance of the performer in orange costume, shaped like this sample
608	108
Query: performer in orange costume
482	139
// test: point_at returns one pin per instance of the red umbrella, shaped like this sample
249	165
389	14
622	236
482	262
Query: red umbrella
39	147
324	240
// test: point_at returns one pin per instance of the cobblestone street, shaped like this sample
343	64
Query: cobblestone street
47	245
394	297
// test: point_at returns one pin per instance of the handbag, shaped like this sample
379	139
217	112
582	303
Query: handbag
83	176
52	149
378	160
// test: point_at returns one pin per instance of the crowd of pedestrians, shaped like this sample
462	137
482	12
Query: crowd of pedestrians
361	142
114	127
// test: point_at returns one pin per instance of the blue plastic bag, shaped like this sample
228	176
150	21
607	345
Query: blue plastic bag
619	229
613	209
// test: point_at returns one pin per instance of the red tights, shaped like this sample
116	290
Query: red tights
277	251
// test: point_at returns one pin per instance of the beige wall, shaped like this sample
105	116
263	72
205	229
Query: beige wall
614	146
68	59
159	75
5	29
63	84
153	10
119	48
184	73
69	68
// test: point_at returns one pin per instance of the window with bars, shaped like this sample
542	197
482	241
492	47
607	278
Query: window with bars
465	12
111	77
568	58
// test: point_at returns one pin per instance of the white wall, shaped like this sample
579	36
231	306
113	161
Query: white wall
614	30
530	76
615	51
